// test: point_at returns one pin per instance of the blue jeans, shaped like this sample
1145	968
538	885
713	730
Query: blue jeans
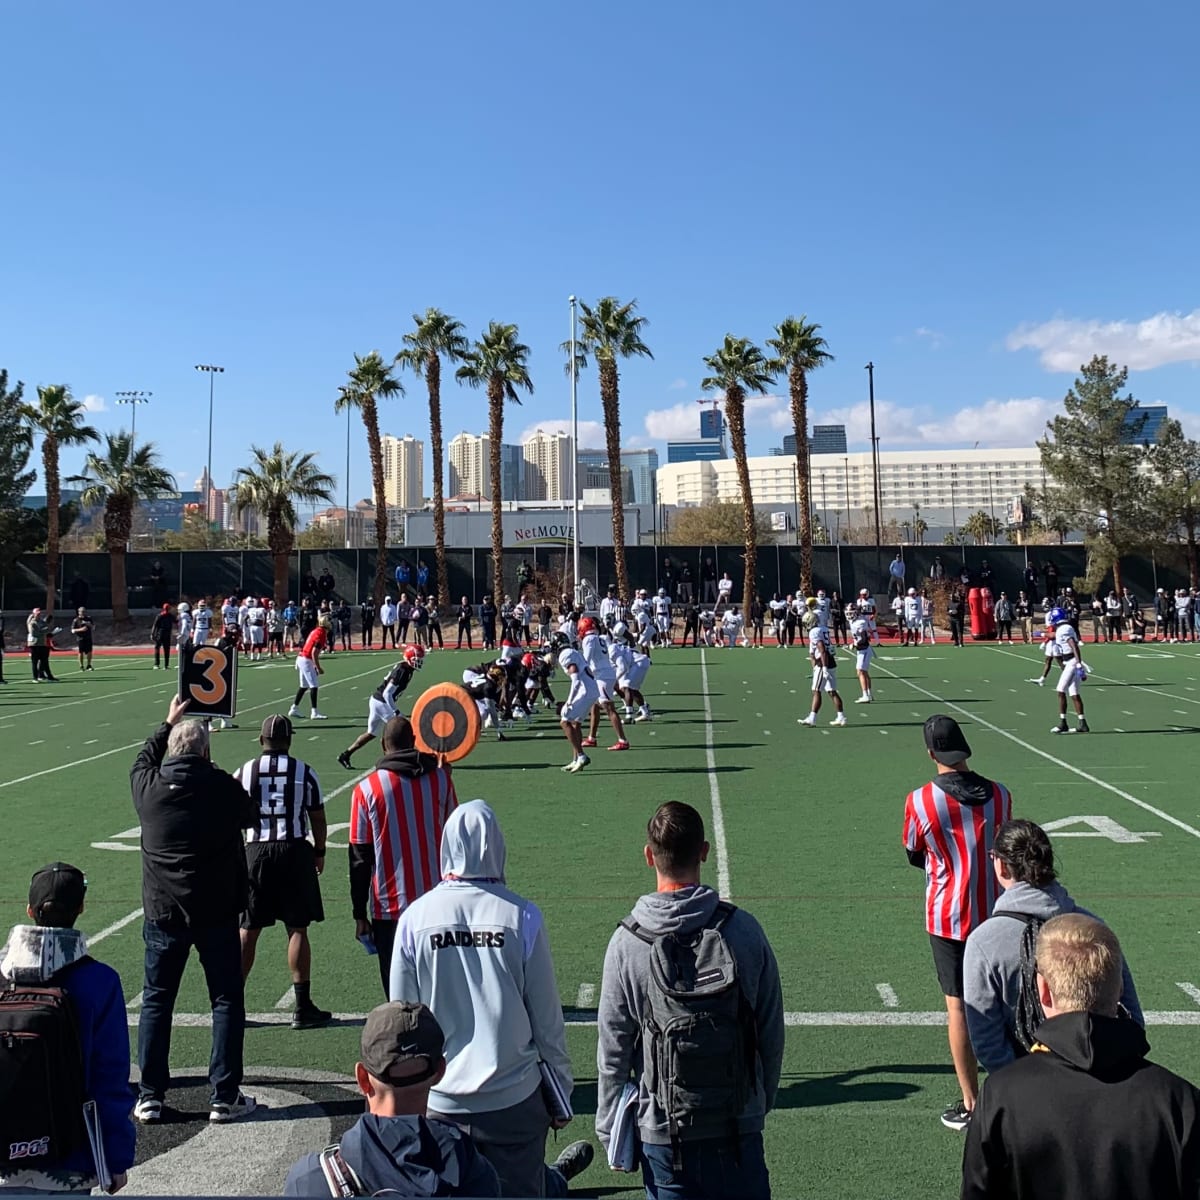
713	1169
167	949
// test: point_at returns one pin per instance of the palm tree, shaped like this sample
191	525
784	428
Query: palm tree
609	332
372	380
981	526
60	419
799	348
272	485
118	477
500	364
739	367
437	335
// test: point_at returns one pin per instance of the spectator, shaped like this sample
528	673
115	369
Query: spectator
192	816
435	622
724	589
955	610
708	582
1163	614
1113	624
393	1148
37	638
366	618
158	585
404	610
325	584
396	818
1030	578
685	584
1023	610
1005	612
666	578
422	578
723	1154
53	952
282	865
387	624
487	622
937	572
949	827
1050	571
403	574
420	622
465	614
985	574
308	586
895	584
524	575
344	618
1023	861
82	627
479	952
1088	1117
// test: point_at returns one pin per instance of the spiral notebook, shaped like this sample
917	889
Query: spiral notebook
623	1138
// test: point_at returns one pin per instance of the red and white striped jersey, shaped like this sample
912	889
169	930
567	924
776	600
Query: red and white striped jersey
402	817
956	838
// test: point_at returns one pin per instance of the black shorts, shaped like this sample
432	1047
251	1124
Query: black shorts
85	644
276	638
284	886
948	963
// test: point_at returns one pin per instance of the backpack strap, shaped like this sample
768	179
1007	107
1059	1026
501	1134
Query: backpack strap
1027	918
339	1178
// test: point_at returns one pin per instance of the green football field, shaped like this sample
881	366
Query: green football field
805	826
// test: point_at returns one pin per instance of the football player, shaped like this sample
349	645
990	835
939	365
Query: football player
381	708
632	667
485	685
256	627
202	623
1074	670
820	652
582	698
860	639
595	654
308	664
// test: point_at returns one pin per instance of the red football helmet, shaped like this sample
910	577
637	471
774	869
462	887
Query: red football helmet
414	655
527	661
586	626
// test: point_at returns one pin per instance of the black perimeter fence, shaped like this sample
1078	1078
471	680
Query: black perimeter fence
190	574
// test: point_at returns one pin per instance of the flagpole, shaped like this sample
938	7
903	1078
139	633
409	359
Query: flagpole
575	458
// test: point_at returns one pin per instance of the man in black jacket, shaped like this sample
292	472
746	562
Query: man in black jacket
194	889
1084	1116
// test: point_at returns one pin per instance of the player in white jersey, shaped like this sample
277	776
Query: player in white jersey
661	607
568	629
860	638
580	701
732	626
202	623
184	613
927	619
243	620
824	608
778	610
865	607
820	653
632	667
1051	652
1074	671
256	627
912	617
595	653
609	607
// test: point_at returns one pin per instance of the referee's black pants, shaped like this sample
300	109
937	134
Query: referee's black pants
384	933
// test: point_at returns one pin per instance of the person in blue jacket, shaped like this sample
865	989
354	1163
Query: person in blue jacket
53	949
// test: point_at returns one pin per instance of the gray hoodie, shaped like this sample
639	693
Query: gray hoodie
623	1006
992	969
477	955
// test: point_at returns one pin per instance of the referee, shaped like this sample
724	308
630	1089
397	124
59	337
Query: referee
282	864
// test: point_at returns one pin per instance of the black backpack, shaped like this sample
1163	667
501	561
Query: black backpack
1029	1013
699	1043
41	1074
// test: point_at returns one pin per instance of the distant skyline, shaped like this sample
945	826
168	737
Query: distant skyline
961	195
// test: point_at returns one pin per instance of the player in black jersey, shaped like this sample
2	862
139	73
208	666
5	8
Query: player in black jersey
382	705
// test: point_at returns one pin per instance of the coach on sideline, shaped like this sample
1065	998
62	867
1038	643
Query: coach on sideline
193	891
949	830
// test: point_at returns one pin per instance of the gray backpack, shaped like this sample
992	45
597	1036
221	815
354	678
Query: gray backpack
699	1044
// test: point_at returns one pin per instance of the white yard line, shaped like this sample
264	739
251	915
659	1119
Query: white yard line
37	712
115	927
714	789
887	994
1058	762
1190	990
287	1000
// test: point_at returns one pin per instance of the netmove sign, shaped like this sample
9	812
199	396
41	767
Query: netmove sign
523	528
541	532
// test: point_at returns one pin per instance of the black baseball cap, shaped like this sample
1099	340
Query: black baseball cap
57	890
276	728
945	741
400	1033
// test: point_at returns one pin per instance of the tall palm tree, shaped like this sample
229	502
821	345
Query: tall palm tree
272	485
499	364
436	336
118	477
800	348
372	380
61	420
609	332
738	367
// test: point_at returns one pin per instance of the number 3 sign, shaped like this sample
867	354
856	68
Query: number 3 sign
208	679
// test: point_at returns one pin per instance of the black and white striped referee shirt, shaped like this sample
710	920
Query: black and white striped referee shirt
286	790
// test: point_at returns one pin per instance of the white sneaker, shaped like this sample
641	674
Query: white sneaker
317	716
863	700
148	1110
840	719
222	1114
293	711
809	720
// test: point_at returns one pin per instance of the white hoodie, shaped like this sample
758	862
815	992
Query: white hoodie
477	955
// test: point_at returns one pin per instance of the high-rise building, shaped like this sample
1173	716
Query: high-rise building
1144	425
548	473
403	471
470	468
712	423
512	472
643	465
695	450
825	439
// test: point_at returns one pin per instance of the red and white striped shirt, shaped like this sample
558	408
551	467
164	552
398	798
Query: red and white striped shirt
956	838
402	817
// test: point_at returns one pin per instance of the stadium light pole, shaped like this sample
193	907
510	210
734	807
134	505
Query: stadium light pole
346	522
877	489
575	458
133	399
211	371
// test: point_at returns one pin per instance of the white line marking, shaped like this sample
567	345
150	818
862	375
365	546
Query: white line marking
587	996
136	1002
115	927
1190	990
91	742
887	994
39	742
37	712
714	788
1058	762
287	1000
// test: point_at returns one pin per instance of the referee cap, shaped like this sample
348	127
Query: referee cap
276	728
945	741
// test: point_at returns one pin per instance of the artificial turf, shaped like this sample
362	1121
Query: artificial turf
811	846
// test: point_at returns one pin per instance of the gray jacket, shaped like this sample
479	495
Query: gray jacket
623	1006
991	970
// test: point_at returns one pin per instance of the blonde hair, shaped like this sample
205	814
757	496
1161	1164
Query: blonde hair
1080	960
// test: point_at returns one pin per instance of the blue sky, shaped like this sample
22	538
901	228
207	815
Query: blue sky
975	197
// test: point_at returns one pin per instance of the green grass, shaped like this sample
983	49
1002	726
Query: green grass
812	827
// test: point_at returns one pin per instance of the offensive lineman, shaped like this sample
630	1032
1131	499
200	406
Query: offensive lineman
1074	672
256	627
661	606
820	652
381	708
582	698
632	667
595	654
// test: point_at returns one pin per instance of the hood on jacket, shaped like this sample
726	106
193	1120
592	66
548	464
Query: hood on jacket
409	763
1042	903
967	787
407	1155
684	911
1110	1048
33	953
472	844
184	768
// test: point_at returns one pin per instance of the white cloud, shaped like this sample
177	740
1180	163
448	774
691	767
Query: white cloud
677	386
892	421
1063	344
591	433
94	404
934	337
681	422
995	423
